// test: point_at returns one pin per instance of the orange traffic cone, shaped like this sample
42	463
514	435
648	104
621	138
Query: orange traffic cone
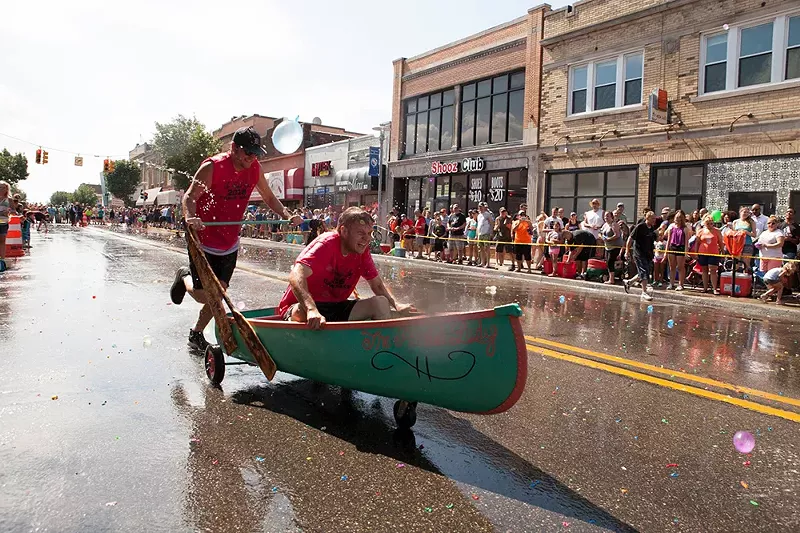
14	237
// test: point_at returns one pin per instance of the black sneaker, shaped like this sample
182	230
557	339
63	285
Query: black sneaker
178	290
197	340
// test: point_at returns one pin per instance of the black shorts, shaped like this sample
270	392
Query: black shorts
332	311
438	245
676	248
522	251
585	254
707	260
504	247
222	266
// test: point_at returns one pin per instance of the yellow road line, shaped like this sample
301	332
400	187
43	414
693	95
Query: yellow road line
684	375
746	404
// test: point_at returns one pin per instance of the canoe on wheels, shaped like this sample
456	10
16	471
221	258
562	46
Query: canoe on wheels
474	362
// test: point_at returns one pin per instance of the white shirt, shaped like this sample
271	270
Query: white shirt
771	237
761	223
593	221
485	222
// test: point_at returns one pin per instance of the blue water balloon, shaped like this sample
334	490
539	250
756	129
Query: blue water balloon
561	299
649	308
670	323
288	136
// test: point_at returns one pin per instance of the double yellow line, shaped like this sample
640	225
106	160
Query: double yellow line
651	373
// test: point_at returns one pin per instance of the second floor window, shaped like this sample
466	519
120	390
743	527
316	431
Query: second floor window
429	122
748	55
491	110
608	84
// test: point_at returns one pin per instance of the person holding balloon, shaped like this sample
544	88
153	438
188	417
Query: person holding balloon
220	192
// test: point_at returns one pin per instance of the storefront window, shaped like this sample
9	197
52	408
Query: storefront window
574	191
458	189
414	185
517	190
477	186
677	188
496	193
428	190
442	200
491	110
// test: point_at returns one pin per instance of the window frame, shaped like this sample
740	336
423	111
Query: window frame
508	91
427	112
780	47
548	198
591	85
653	192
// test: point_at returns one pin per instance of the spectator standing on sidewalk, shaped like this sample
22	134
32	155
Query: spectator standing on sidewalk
747	224
406	229
521	231
642	242
760	218
472	237
438	232
420	227
709	240
572	223
791	232
770	245
612	239
485	224
593	221
502	232
582	248
677	236
457	224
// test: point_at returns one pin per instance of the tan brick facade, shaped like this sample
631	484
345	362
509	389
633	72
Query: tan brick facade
669	33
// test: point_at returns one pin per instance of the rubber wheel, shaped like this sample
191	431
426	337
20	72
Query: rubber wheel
405	414
604	278
215	364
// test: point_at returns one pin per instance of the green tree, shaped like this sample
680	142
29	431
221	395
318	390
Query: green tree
184	143
123	182
60	198
13	168
85	195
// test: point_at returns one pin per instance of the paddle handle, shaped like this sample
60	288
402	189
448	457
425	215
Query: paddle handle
249	222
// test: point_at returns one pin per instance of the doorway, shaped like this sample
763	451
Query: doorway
767	201
794	202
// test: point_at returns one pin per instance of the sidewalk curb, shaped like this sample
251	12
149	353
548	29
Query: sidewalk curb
784	314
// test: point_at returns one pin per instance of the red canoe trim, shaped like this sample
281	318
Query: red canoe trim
371	324
522	370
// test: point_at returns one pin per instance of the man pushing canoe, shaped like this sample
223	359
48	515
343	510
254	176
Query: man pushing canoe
220	192
325	274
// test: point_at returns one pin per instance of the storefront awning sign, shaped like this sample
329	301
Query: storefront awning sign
468	164
354	179
276	183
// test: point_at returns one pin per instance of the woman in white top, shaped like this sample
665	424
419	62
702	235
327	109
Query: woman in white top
593	222
5	208
770	244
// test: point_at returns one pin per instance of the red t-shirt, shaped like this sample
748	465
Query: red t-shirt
334	275
407	227
419	227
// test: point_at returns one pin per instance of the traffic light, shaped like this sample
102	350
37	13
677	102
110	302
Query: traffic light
110	165
44	157
38	156
105	165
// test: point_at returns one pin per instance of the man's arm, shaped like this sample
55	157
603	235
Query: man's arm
298	282
380	289
269	197
200	184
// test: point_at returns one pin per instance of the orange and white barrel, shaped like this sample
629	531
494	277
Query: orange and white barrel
14	237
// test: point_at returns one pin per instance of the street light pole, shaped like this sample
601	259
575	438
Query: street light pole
382	137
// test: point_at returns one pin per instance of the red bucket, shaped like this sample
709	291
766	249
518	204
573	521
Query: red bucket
566	270
547	267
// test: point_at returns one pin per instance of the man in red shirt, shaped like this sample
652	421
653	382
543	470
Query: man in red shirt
220	192
420	229
326	272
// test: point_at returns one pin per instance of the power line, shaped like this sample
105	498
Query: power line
53	149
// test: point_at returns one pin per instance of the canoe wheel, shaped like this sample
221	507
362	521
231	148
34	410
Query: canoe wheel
405	414
215	364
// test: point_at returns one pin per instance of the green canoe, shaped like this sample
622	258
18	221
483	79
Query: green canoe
473	362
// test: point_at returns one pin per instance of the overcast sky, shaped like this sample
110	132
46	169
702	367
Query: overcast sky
92	76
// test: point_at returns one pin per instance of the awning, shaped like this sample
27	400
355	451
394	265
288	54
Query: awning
152	194
355	179
292	185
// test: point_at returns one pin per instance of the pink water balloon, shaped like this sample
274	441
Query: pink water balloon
744	442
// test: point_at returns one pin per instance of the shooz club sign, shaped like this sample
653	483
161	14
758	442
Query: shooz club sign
469	164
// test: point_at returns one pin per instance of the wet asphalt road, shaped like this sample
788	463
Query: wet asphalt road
138	441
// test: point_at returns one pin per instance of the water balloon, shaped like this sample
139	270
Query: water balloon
744	441
562	299
670	323
716	216
288	136
240	306
147	341
649	308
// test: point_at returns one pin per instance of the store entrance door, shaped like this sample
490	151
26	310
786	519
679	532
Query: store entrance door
766	200
794	202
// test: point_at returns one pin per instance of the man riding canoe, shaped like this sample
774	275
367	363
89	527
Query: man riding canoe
220	192
325	274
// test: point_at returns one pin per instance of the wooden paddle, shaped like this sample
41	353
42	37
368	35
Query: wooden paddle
216	294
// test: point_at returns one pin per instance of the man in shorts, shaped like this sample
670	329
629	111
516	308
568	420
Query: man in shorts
325	274
456	225
485	225
502	230
220	192
642	239
581	250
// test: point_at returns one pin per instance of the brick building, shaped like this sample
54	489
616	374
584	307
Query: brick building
731	72
285	173
465	120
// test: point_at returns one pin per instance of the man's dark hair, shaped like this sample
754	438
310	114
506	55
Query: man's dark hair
352	215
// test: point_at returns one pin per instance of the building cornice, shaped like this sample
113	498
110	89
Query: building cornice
466	59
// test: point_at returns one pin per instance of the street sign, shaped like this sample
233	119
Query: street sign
78	161
658	107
